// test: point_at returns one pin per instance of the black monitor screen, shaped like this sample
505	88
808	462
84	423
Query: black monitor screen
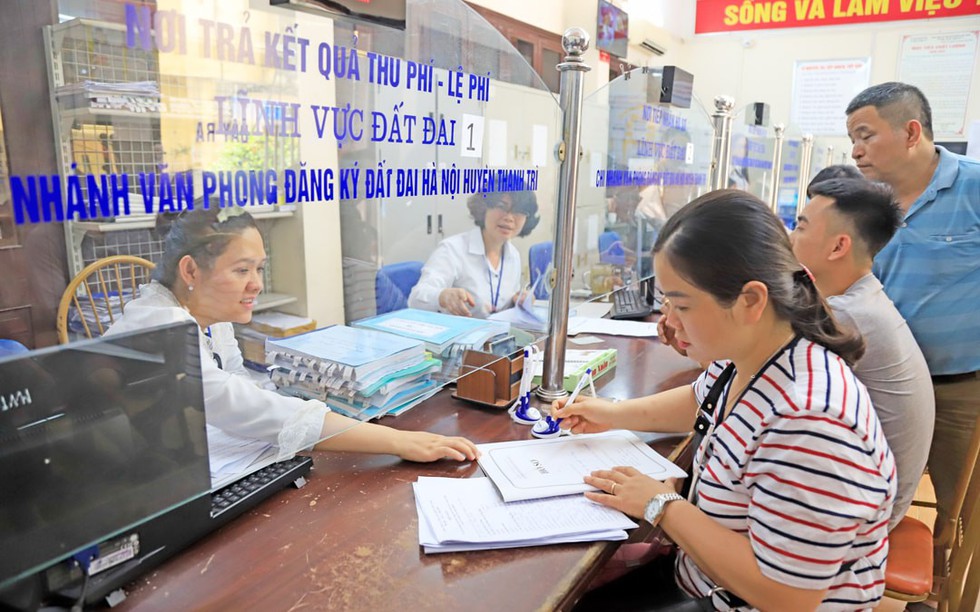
95	438
612	30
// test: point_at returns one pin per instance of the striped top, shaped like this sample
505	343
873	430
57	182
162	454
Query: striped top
801	467
930	267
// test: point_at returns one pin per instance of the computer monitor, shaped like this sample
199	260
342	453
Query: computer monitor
97	437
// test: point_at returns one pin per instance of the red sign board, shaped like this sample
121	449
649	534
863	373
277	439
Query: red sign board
731	15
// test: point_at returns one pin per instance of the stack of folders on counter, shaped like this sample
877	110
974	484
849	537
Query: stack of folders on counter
252	337
533	494
361	373
445	336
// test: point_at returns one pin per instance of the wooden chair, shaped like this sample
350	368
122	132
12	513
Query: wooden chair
910	575
104	283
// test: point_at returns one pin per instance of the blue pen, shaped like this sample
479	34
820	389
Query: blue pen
578	387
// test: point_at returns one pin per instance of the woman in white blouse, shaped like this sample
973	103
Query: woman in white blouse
478	272
211	273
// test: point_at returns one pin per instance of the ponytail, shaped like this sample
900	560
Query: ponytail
812	318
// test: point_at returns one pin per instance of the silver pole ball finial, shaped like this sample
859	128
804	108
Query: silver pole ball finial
724	103
575	41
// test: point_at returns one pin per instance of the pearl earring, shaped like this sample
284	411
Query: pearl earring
190	287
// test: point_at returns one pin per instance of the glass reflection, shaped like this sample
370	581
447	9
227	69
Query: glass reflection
291	114
644	161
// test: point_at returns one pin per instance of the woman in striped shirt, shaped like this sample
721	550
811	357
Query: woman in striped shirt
793	482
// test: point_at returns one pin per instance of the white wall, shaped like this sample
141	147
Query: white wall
545	14
758	66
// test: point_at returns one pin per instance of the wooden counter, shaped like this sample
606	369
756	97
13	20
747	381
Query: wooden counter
348	540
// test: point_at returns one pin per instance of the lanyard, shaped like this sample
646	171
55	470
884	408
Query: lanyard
495	297
210	342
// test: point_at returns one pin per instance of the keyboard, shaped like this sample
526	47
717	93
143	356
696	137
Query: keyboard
628	303
243	495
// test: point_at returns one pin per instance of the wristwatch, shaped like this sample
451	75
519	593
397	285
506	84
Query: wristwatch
655	507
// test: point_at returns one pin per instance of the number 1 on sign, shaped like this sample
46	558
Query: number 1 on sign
471	144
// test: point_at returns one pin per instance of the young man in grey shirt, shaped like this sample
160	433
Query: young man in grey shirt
845	223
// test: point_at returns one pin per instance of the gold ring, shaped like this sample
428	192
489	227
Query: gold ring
613	490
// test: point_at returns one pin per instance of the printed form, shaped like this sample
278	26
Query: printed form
458	514
532	469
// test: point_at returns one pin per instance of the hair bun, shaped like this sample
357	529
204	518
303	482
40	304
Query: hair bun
165	222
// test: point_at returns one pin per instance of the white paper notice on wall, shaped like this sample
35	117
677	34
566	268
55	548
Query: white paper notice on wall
539	145
941	65
497	143
973	140
471	136
821	91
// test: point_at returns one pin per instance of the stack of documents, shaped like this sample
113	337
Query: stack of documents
135	96
458	514
533	494
445	336
280	324
525	315
358	372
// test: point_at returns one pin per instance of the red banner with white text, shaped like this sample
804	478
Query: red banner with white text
732	15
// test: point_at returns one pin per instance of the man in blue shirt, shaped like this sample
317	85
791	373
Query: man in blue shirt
931	267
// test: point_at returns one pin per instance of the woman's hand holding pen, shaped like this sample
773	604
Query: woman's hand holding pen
626	489
585	414
456	301
423	446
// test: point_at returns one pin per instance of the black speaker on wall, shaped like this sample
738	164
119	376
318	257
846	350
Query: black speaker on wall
677	87
757	113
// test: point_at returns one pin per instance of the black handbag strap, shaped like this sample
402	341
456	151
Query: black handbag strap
706	411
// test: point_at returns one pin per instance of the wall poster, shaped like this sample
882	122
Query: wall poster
941	65
822	90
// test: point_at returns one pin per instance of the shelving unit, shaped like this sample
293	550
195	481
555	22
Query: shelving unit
97	141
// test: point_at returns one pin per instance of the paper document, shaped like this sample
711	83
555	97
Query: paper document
468	514
590	310
532	469
612	327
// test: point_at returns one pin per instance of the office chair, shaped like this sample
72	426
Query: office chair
393	283
611	250
539	257
106	285
11	347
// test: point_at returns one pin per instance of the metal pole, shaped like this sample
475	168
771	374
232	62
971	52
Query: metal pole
575	41
721	146
777	167
806	153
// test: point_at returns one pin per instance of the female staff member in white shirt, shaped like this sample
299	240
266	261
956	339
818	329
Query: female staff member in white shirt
211	273
479	272
794	482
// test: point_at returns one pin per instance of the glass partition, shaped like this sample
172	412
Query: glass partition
642	162
494	127
822	156
347	140
750	165
789	179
